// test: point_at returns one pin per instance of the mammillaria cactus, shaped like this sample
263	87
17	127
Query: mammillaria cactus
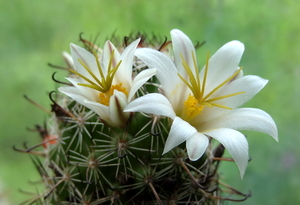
116	136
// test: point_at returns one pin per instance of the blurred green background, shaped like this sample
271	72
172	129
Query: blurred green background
34	33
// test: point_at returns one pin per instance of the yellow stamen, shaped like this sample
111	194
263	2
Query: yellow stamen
99	65
223	83
221	106
205	74
224	96
104	84
195	103
194	84
104	97
191	108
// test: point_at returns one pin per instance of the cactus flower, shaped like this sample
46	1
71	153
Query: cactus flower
204	105
104	83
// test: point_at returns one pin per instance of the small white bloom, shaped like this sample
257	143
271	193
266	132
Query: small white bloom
105	83
204	104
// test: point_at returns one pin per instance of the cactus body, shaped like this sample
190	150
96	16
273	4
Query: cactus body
84	160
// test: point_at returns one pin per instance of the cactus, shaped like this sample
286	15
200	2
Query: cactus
85	159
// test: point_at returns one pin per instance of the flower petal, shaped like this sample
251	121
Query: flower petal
117	103
235	143
139	80
173	87
246	119
68	59
89	93
124	73
223	64
79	53
166	71
101	110
196	145
108	48
180	132
184	47
73	93
153	103
249	84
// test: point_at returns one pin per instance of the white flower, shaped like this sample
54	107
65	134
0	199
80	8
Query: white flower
105	83
204	104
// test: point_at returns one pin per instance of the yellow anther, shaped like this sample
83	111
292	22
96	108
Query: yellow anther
223	83
191	108
195	103
105	97
102	84
194	79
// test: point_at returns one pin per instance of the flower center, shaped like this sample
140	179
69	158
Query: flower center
191	108
104	83
196	102
104	97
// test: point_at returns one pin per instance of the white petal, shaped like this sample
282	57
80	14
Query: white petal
247	119
89	93
166	71
68	59
196	145
184	47
223	64
117	104
101	110
180	132
249	84
206	119
124	73
239	75
79	53
108	48
153	103
139	80
173	87
235	143
73	93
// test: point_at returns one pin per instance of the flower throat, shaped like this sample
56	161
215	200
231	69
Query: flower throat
103	85
196	101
